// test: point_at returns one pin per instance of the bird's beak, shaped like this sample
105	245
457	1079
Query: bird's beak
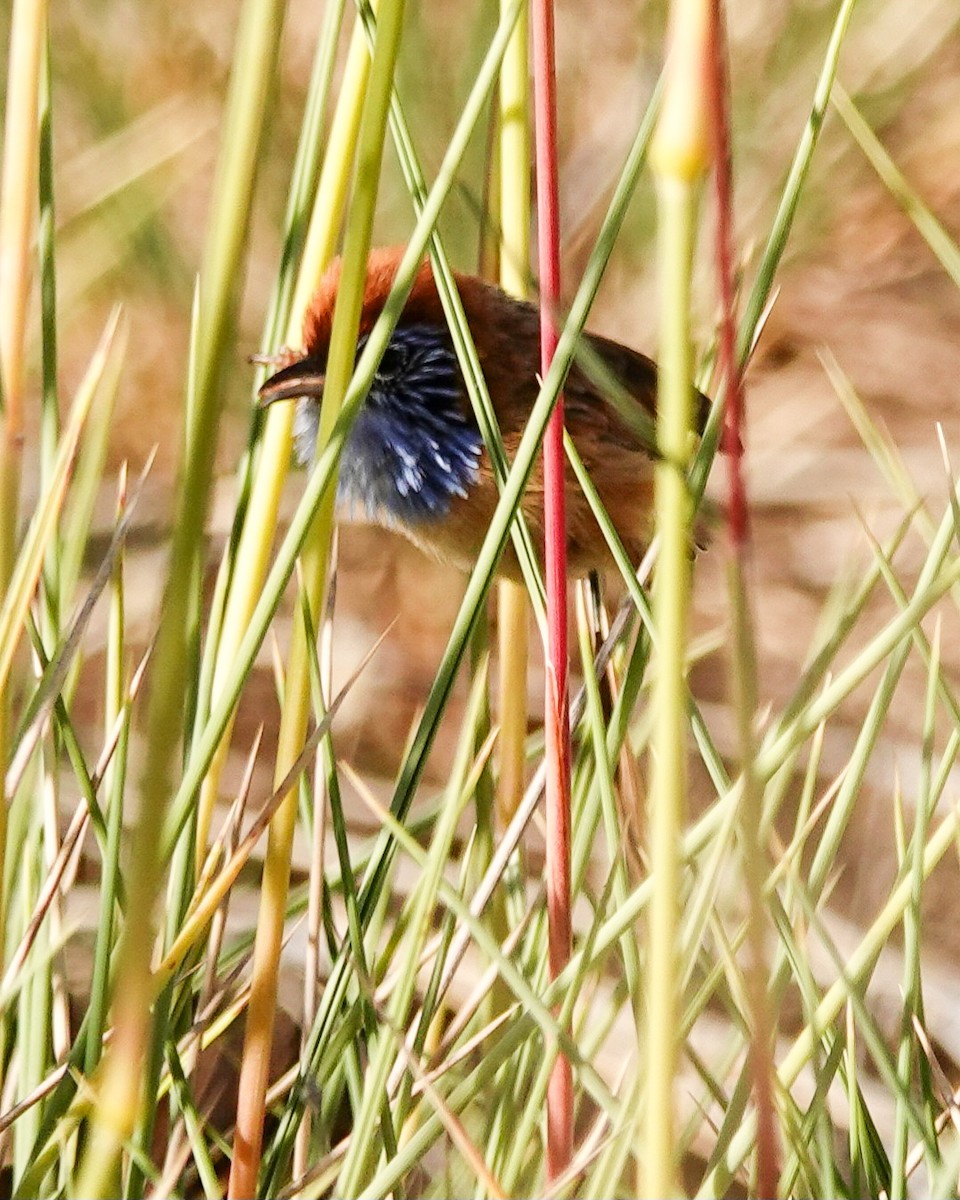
303	378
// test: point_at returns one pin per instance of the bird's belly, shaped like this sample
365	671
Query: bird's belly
456	535
405	475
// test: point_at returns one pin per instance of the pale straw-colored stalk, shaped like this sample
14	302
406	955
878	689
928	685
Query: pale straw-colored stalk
513	616
314	557
679	156
18	190
256	539
119	1085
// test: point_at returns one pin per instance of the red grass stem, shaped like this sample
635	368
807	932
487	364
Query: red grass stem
730	373
731	378
560	1089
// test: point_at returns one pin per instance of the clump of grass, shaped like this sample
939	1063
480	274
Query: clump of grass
426	1051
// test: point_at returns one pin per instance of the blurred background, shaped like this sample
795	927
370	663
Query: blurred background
138	96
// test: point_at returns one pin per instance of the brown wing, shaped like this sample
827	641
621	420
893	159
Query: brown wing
636	375
612	392
507	333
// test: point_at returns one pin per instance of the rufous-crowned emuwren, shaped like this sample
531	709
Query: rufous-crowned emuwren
414	459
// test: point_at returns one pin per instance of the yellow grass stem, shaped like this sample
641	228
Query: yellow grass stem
253	550
752	848
18	191
119	1090
18	204
512	606
513	640
514	270
296	700
671	600
679	158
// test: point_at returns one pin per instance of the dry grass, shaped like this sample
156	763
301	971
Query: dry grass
139	93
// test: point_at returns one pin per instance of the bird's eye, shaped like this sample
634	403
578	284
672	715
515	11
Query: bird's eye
395	358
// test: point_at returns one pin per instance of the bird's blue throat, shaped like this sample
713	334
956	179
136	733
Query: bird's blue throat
414	446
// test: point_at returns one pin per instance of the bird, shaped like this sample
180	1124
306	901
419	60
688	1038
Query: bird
414	460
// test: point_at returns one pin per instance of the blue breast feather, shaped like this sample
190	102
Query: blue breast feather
414	445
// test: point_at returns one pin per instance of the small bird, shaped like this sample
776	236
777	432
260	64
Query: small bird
414	460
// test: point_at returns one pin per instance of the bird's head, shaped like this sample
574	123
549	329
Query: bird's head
414	445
